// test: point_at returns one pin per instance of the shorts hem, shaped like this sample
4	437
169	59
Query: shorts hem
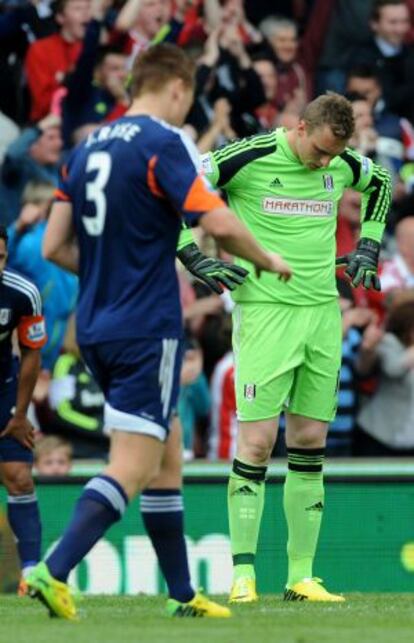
310	417
115	420
261	418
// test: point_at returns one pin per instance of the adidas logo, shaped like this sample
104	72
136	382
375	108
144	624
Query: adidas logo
244	491
276	183
189	610
316	507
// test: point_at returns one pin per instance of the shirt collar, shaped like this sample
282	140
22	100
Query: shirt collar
386	48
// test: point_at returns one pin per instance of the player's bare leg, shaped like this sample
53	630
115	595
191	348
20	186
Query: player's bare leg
303	505
246	490
162	513
134	461
23	515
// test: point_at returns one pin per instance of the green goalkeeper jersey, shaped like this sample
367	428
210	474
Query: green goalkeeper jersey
292	210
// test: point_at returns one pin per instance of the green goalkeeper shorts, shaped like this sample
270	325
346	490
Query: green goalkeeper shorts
287	357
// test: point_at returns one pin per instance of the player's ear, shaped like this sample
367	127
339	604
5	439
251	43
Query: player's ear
177	87
301	127
59	19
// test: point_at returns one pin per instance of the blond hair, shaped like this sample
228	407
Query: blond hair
333	110
48	444
38	192
157	65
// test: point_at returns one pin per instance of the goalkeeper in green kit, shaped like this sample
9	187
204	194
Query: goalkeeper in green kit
285	186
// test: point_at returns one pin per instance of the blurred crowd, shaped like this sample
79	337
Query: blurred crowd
64	68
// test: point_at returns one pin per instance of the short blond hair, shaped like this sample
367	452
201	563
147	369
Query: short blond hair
333	110
48	444
159	64
38	192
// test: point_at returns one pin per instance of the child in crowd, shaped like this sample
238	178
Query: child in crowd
53	456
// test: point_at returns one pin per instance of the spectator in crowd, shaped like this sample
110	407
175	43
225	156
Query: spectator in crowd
387	151
348	223
223	420
398	272
50	59
147	21
257	10
57	287
392	59
76	403
21	23
194	397
347	29
365	81
219	130
296	59
225	71
360	332
395	133
33	156
293	85
386	420
96	88
53	456
266	114
8	133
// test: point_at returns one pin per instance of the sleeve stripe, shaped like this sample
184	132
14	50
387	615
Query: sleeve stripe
61	195
200	199
261	140
380	197
25	287
151	180
354	164
230	166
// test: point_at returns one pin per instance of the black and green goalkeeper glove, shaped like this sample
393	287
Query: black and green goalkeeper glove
362	264
215	273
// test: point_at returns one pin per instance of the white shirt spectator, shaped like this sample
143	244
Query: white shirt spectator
396	275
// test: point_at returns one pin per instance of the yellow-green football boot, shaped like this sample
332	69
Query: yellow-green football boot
54	594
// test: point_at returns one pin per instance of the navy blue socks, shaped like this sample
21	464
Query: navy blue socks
163	515
102	503
24	520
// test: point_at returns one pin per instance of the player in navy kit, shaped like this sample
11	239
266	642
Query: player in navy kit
117	223
20	310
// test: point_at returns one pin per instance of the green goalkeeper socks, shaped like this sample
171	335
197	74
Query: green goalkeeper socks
245	506
303	504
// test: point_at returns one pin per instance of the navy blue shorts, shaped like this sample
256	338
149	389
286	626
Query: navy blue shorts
140	381
10	449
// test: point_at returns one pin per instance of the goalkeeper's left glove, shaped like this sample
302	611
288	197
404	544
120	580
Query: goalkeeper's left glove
362	264
215	273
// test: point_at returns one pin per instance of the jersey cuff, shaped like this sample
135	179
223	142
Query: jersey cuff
186	237
60	195
372	230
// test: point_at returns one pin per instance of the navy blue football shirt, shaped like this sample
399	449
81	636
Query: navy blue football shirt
130	183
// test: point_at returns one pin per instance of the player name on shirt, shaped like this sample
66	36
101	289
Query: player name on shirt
298	207
125	131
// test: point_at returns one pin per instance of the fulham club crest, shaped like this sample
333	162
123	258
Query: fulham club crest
249	392
5	316
328	182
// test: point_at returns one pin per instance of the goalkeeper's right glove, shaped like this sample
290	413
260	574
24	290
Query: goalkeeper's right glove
215	273
362	264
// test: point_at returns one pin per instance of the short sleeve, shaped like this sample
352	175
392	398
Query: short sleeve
209	168
31	329
62	192
173	174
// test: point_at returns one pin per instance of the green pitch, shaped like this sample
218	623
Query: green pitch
376	618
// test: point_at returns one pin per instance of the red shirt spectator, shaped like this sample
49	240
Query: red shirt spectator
223	429
49	59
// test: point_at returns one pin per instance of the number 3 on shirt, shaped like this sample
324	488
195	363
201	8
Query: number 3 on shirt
101	163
